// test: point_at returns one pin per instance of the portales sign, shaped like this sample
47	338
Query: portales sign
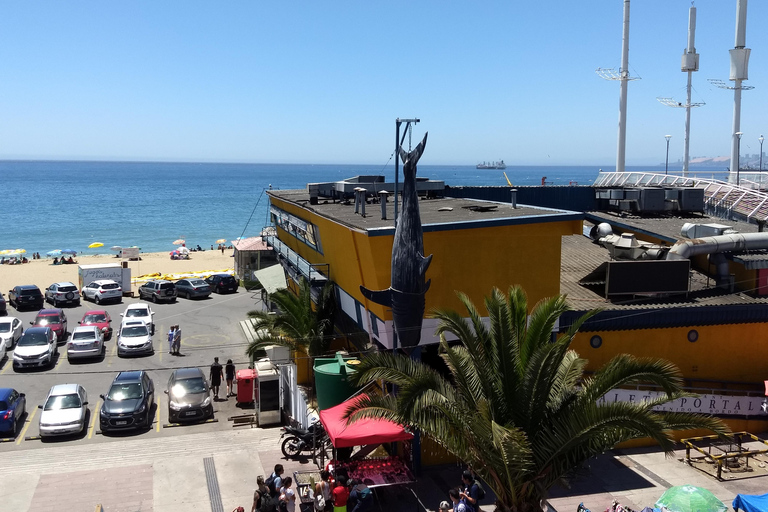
706	404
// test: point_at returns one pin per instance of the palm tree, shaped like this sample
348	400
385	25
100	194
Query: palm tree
297	325
517	407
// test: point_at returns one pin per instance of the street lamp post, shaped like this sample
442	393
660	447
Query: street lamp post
666	163
738	156
761	139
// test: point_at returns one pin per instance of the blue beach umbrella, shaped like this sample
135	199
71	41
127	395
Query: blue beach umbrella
54	253
69	251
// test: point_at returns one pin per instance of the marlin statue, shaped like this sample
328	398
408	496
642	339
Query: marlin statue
407	289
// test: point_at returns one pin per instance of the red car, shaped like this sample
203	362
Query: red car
100	319
55	319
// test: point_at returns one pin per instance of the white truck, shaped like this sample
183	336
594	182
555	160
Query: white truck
87	274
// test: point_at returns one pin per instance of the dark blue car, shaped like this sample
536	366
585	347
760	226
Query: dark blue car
12	407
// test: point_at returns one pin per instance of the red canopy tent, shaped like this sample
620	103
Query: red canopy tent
362	432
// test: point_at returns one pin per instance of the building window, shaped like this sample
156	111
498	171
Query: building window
595	341
301	229
693	335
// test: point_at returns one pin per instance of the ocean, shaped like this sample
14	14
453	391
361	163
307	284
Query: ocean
51	205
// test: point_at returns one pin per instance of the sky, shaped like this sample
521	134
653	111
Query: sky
323	82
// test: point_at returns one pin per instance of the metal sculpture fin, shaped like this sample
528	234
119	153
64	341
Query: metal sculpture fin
413	157
424	262
383	297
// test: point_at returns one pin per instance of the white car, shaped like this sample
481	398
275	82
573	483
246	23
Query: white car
37	347
101	290
64	410
85	342
140	311
62	293
134	338
10	331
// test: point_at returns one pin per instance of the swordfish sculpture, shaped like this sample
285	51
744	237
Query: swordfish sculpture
408	286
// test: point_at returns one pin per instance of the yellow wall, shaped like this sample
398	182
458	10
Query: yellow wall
711	357
470	260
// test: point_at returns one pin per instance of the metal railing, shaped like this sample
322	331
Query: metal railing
746	199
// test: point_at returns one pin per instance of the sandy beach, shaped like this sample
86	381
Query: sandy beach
43	273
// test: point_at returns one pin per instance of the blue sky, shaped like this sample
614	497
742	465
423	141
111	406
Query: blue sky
322	82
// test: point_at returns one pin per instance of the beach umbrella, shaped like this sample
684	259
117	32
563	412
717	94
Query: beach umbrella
690	498
54	253
94	245
221	241
18	251
5	251
69	251
116	248
179	241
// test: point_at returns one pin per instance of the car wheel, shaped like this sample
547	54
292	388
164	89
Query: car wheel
154	299
96	299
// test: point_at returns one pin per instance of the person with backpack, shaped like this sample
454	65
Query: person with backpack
262	501
275	481
361	495
472	491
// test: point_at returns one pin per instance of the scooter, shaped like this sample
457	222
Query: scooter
302	440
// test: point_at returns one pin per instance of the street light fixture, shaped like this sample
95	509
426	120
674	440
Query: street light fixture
666	163
738	156
761	139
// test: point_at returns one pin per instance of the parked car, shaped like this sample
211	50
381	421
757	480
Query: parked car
128	404
134	338
56	319
37	347
26	295
140	311
85	342
192	288
103	289
10	331
64	410
222	283
158	290
12	407
101	319
62	293
189	396
3	305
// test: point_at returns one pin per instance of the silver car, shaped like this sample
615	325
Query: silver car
85	342
134	338
10	331
64	410
62	293
101	290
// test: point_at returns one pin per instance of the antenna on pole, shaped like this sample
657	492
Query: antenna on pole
623	76
739	72
690	63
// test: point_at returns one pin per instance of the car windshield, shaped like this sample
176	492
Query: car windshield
58	402
134	331
47	319
33	339
83	335
186	386
87	319
120	392
110	286
67	288
136	312
197	282
5	327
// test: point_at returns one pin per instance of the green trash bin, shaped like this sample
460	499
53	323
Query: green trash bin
332	380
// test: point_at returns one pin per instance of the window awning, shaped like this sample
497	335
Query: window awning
271	278
362	432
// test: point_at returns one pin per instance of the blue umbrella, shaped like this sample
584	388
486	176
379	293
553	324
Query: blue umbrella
69	251
54	253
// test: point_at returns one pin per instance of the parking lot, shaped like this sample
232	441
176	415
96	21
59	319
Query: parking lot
210	327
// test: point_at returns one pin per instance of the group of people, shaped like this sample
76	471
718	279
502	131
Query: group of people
14	261
174	340
464	498
276	494
218	374
64	261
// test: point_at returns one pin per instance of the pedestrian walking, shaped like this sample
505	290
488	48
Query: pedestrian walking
222	248
229	373
217	374
177	341
323	492
472	491
287	495
340	494
171	337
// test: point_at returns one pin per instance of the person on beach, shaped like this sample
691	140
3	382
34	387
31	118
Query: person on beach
222	248
177	341
217	374
55	261
229	373
171	338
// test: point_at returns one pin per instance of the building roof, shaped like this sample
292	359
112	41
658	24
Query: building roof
436	213
254	243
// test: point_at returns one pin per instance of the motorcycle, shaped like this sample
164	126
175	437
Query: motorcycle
302	440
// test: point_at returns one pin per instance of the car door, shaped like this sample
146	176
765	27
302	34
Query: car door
17	330
49	293
84	401
63	322
150	387
52	340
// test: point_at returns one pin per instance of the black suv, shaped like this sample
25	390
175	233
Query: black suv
128	404
158	290
222	283
26	295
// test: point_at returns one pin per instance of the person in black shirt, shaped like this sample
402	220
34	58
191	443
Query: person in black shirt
229	372
216	376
